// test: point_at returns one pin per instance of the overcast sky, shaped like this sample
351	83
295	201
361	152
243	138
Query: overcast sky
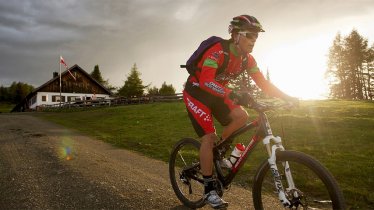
159	35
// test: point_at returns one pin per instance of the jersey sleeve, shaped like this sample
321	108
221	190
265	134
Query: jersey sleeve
252	65
211	60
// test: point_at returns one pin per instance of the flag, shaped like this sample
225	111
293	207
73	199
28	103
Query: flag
62	61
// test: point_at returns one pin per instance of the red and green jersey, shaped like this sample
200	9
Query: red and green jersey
215	82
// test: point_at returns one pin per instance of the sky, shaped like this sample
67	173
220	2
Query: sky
159	35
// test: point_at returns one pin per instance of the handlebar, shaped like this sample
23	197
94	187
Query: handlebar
262	107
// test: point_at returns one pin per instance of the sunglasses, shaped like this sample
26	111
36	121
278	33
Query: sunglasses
249	35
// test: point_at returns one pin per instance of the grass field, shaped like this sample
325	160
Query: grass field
340	134
6	107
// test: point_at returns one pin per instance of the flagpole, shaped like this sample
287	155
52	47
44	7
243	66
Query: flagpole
60	79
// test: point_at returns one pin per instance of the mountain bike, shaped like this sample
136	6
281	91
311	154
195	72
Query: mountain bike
293	179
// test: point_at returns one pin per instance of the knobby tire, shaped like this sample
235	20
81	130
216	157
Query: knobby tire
302	159
175	169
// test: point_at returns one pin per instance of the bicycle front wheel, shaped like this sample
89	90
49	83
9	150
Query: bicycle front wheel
315	187
185	173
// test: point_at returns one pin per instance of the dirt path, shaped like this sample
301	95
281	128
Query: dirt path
35	172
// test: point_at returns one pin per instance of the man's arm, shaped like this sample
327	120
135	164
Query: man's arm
268	87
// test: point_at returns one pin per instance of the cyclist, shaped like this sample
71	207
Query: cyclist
206	94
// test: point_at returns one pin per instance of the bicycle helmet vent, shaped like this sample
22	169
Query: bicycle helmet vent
245	23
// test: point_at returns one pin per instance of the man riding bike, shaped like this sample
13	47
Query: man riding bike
206	94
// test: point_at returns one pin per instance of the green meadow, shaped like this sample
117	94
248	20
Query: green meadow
6	107
340	134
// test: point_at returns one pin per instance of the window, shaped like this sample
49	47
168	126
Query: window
44	98
73	98
56	98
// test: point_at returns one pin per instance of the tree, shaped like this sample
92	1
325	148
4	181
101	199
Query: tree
109	86
96	74
356	47
245	83
268	75
349	67
336	71
370	72
153	91
4	94
166	89
16	92
133	86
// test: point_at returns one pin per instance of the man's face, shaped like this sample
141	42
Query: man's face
247	41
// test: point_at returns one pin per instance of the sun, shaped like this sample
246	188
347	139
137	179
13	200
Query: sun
298	67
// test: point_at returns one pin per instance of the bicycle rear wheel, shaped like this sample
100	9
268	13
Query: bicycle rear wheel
315	187
185	173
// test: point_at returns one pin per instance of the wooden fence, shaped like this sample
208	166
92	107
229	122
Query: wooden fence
117	101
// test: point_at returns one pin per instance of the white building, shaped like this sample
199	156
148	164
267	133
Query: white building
76	85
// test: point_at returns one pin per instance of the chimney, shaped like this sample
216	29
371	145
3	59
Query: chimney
55	74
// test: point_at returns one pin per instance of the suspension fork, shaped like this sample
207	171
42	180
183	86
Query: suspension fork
272	149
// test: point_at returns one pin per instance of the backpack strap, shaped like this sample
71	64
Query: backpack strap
226	53
244	63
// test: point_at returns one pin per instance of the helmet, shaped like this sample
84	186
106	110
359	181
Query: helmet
245	23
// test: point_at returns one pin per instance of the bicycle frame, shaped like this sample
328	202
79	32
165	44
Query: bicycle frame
264	134
289	195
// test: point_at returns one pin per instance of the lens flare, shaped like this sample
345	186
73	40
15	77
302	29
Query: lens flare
66	149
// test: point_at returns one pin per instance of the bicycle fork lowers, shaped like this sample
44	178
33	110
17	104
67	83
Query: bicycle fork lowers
272	144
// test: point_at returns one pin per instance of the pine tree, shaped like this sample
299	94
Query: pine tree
268	75
96	74
356	47
133	86
349	67
370	72
336	71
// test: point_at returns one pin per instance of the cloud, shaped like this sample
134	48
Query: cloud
157	35
187	11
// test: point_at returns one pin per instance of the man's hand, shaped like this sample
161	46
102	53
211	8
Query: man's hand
242	98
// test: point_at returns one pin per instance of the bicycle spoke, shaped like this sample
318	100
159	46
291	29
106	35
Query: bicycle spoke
180	155
185	174
309	188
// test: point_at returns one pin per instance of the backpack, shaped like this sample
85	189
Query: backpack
191	64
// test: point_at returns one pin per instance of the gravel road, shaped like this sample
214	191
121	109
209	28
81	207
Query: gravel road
36	172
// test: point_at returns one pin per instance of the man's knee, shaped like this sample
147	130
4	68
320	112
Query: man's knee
239	115
209	139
